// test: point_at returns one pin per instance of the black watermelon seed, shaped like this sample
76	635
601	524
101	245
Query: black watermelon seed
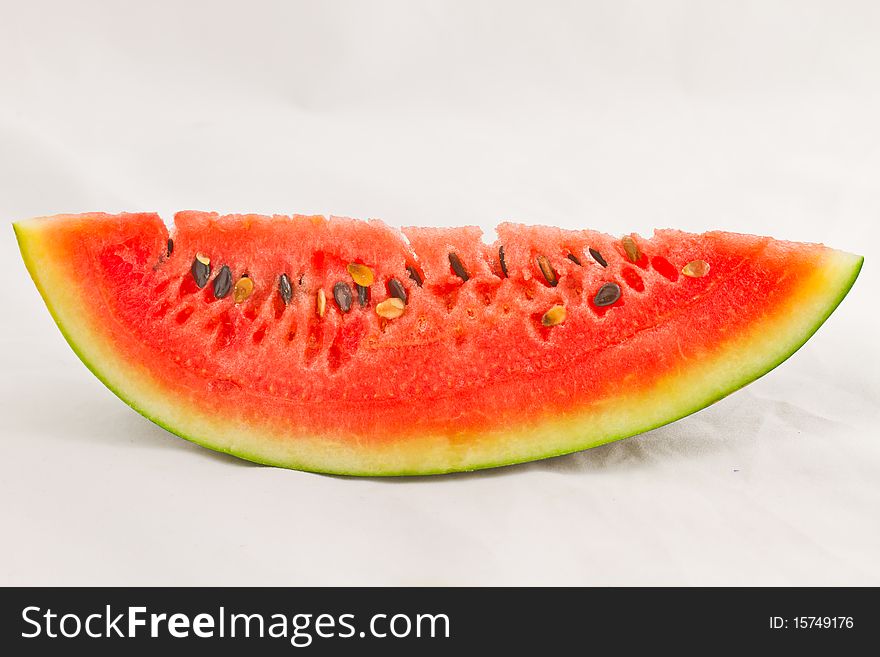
363	295
395	287
607	294
201	272
414	274
575	259
223	282
170	247
547	270
598	257
285	289
502	260
457	267
342	295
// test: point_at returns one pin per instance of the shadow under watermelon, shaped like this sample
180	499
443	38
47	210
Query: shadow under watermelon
727	432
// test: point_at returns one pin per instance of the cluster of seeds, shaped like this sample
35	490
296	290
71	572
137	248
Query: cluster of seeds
362	278
222	284
609	293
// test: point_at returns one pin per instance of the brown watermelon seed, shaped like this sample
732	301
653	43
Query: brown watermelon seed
363	295
243	289
503	261
457	267
391	308
696	269
395	287
547	270
554	316
414	274
607	294
170	247
574	259
321	302
222	282
285	289
361	274
342	295
631	248
598	257
201	270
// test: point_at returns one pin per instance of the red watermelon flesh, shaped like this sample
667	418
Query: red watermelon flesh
474	373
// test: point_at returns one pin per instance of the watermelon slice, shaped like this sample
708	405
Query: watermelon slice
348	347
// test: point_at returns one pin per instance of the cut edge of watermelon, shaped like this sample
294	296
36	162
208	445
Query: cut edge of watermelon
735	364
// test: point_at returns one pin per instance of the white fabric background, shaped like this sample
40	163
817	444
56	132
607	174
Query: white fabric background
750	116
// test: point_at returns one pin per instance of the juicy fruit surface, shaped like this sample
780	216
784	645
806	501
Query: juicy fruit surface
471	357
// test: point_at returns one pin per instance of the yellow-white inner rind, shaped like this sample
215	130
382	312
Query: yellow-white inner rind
733	364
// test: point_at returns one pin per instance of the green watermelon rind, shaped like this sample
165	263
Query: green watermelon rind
850	266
